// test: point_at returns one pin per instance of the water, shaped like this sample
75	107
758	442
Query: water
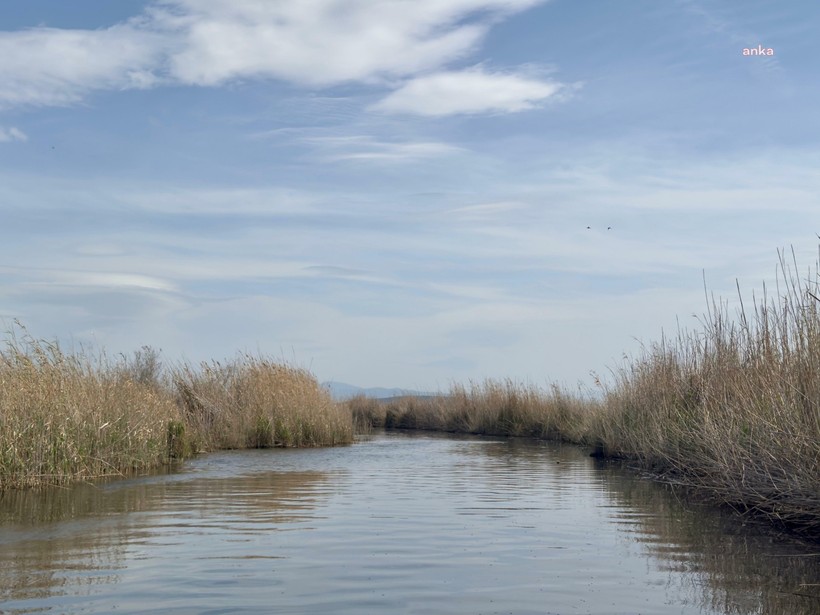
396	523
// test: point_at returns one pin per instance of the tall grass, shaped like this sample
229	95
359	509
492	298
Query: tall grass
72	416
492	407
732	409
79	416
253	402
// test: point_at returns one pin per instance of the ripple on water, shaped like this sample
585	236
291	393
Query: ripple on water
397	523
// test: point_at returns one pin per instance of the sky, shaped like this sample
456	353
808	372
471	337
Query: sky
401	193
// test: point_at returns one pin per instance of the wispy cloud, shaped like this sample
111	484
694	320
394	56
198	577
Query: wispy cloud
209	43
233	201
470	91
488	211
109	280
366	148
47	66
12	134
324	42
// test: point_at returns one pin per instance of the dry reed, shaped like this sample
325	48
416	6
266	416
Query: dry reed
75	416
490	408
253	402
732	409
69	416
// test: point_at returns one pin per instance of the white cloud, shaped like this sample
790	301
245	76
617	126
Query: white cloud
468	91
210	42
12	134
113	280
55	279
324	42
47	66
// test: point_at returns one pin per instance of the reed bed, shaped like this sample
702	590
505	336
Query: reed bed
732	409
253	402
66	417
492	407
79	416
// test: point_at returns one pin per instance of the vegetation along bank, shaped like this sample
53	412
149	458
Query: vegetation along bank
78	416
732	409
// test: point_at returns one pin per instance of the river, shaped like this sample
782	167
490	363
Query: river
396	523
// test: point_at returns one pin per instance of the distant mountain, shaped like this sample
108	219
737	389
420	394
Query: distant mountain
341	391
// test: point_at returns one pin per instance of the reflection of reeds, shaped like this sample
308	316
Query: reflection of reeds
732	571
57	559
77	416
733	409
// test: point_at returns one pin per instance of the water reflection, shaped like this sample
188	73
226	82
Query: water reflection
400	523
718	562
56	544
732	567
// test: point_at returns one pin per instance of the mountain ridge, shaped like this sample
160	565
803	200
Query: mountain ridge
341	391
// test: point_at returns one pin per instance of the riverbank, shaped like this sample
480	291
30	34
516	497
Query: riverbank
731	410
761	463
68	417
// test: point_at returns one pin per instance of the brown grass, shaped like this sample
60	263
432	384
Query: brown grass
68	417
489	408
253	402
732	409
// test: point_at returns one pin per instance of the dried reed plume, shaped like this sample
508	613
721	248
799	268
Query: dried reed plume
253	402
66	417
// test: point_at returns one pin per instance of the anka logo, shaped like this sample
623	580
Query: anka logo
760	50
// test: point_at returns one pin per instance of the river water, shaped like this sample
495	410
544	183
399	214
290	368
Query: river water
396	523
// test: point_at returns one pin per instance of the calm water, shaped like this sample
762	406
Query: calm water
397	523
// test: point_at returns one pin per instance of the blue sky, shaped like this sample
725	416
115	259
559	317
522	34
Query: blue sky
397	193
